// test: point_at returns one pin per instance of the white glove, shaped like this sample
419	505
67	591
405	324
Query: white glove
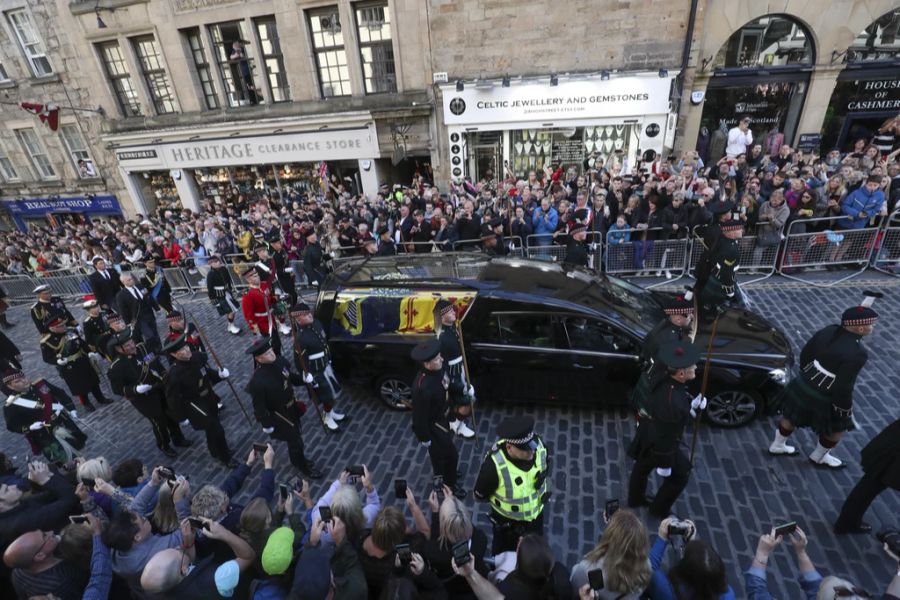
699	402
663	472
142	388
93	356
223	373
36	425
62	361
307	377
427	444
73	414
185	423
268	430
314	283
471	391
593	246
289	269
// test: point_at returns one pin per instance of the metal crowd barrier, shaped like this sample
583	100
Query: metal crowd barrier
887	256
826	248
512	243
666	258
760	261
557	252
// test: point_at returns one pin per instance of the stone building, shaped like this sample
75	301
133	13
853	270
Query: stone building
198	95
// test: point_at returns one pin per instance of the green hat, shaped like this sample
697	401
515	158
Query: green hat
279	551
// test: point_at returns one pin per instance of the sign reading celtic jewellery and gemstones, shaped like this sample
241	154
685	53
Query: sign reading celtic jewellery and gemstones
532	101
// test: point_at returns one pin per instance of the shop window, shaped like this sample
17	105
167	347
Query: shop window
36	151
534	149
201	64
331	56
769	41
236	66
376	50
7	170
878	41
119	78
78	152
272	59
30	42
150	59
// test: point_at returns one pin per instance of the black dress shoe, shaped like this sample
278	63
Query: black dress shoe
168	451
459	492
104	401
183	443
860	528
311	471
230	463
645	501
89	407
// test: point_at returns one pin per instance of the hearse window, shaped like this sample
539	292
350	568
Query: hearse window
595	336
520	329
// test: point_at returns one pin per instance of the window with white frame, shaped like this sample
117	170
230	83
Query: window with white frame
376	50
204	72
35	149
6	167
331	56
78	152
150	60
29	41
119	78
3	75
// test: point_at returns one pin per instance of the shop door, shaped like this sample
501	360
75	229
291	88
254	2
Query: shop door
485	155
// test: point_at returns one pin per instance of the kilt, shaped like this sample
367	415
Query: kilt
226	305
805	406
640	393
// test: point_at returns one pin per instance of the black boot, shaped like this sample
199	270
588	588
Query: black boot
88	406
229	462
168	451
311	470
459	491
103	400
5	322
183	442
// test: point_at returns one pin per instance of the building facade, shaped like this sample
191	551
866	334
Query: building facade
198	96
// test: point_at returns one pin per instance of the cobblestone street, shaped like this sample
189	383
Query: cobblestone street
736	492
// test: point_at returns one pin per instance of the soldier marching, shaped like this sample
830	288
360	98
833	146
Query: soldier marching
220	290
312	357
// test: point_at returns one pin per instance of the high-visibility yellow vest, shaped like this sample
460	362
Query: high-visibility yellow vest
518	497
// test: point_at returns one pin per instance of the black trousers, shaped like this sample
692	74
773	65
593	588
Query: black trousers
507	533
444	456
668	492
165	431
215	440
145	331
859	500
293	437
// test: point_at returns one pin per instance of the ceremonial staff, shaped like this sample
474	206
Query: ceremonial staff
310	389
703	385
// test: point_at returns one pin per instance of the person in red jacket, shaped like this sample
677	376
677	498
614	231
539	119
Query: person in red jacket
257	306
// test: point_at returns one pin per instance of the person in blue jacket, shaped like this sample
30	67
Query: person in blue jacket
544	222
861	204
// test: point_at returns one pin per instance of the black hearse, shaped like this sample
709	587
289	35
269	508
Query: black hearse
533	331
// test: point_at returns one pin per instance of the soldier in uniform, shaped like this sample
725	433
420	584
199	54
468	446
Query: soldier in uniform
675	327
44	414
220	290
256	305
430	409
137	375
721	211
94	324
284	272
513	480
115	324
314	259
156	285
386	246
821	396
497	226
312	357
10	355
489	240
461	394
657	442
175	321
721	289
274	404
576	249
48	307
269	282
191	399
66	350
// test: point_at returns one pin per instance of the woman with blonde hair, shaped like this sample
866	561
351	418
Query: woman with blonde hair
623	555
164	517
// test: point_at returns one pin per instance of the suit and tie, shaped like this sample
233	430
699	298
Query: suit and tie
106	285
136	307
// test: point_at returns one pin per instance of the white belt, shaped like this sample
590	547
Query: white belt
455	361
823	370
317	356
218	287
265	314
32	404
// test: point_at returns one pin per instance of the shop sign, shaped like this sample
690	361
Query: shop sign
136	155
809	142
77	204
187	5
876	95
590	99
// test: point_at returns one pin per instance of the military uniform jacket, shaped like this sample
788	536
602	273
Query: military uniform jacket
93	328
255	306
43	312
271	388
311	348
576	253
78	373
429	398
149	281
313	266
386	248
21	410
711	236
126	372
830	362
218	282
663	333
193	338
669	407
285	279
881	456
189	392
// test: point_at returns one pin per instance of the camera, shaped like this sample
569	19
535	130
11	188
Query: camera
404	553
678	527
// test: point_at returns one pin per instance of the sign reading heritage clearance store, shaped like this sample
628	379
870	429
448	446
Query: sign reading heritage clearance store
339	144
539	101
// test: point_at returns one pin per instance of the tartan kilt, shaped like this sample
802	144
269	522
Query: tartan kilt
225	305
641	392
804	406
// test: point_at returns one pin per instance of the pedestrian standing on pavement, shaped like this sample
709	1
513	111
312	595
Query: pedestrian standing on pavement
274	404
220	290
657	442
513	480
48	307
138	376
881	470
821	396
312	357
430	413
460	392
191	398
105	283
65	349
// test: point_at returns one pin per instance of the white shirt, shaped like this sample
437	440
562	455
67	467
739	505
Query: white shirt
738	141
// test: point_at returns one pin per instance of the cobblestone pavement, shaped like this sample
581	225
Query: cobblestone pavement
736	491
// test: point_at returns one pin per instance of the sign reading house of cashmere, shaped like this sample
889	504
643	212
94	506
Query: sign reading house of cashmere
532	101
339	144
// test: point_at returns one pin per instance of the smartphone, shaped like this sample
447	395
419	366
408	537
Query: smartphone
438	483
77	519
167	474
400	488
325	513
611	507
404	553
260	448
284	490
461	553
786	529
595	579
88	482
197	523
356	471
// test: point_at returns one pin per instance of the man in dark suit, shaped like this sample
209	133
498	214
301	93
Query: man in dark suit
136	307
105	283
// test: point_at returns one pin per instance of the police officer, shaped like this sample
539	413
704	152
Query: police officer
460	392
66	350
191	398
137	375
48	307
274	404
220	290
576	249
721	289
821	396
386	246
513	480
657	442
312	357
154	281
430	409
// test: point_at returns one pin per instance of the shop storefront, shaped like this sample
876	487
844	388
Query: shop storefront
863	99
198	169
58	210
527	125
